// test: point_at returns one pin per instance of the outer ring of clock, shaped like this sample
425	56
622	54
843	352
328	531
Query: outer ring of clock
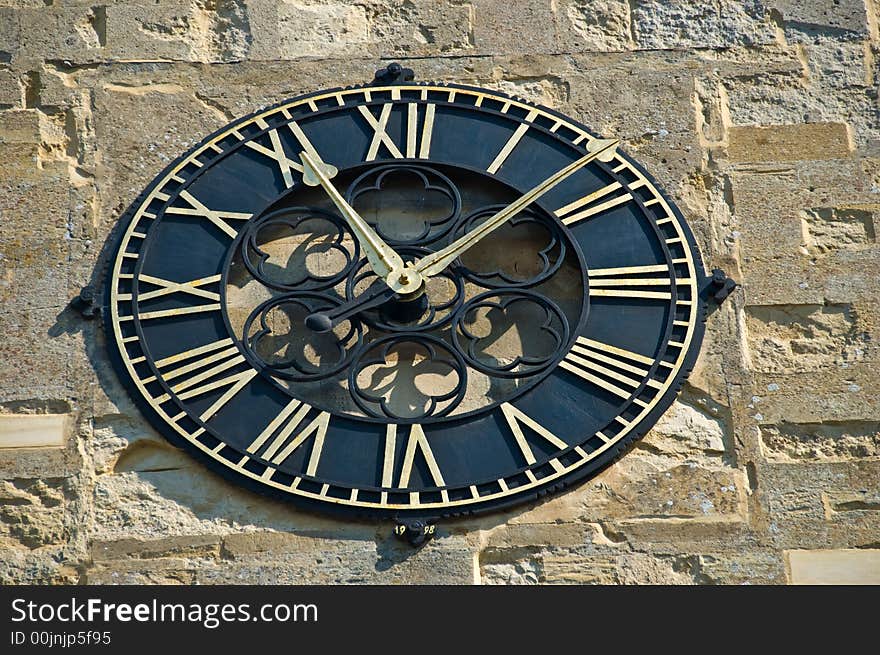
598	459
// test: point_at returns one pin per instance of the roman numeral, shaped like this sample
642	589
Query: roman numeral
278	433
511	143
416	147
277	154
596	202
203	374
614	369
167	287
646	282
216	216
416	443
515	420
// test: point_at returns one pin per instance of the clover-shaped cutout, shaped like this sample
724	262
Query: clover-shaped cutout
303	248
522	253
408	377
510	334
275	334
406	204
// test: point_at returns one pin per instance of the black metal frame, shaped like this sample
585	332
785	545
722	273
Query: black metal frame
705	290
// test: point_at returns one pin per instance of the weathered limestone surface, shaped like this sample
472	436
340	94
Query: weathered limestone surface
760	118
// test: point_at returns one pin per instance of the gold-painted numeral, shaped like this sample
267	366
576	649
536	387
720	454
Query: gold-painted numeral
277	153
193	288
179	311
623	371
167	287
512	142
633	282
416	443
216	216
380	136
596	202
280	429
516	419
200	375
417	146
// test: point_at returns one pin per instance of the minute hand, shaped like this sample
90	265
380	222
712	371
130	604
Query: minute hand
430	265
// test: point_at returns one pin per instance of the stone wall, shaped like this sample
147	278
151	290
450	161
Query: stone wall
759	117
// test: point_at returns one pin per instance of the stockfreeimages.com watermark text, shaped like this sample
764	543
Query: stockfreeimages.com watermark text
208	615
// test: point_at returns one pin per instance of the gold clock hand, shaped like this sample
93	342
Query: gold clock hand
381	257
430	265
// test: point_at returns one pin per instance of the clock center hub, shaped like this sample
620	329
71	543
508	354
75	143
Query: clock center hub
407	283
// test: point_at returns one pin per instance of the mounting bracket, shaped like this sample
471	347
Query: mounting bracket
393	73
721	286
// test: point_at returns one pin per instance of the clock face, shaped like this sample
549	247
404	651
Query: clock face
526	364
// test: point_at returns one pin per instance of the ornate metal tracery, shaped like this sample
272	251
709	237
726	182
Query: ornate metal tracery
469	309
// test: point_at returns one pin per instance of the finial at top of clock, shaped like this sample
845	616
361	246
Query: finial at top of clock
393	73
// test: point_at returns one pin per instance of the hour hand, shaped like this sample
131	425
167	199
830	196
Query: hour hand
326	320
381	257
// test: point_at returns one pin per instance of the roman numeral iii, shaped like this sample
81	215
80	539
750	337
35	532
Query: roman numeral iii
651	282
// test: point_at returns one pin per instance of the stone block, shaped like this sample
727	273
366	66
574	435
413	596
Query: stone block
659	24
818	504
44	565
10	34
789	338
589	26
789	142
288	559
62	32
140	127
10	89
302	28
837	394
166	571
214	32
422	27
34	463
834	441
182	546
33	430
834	567
492	31
33	513
838	17
33	362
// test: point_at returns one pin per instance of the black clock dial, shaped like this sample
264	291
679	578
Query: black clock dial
258	326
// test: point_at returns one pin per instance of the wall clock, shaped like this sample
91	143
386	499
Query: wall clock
405	300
